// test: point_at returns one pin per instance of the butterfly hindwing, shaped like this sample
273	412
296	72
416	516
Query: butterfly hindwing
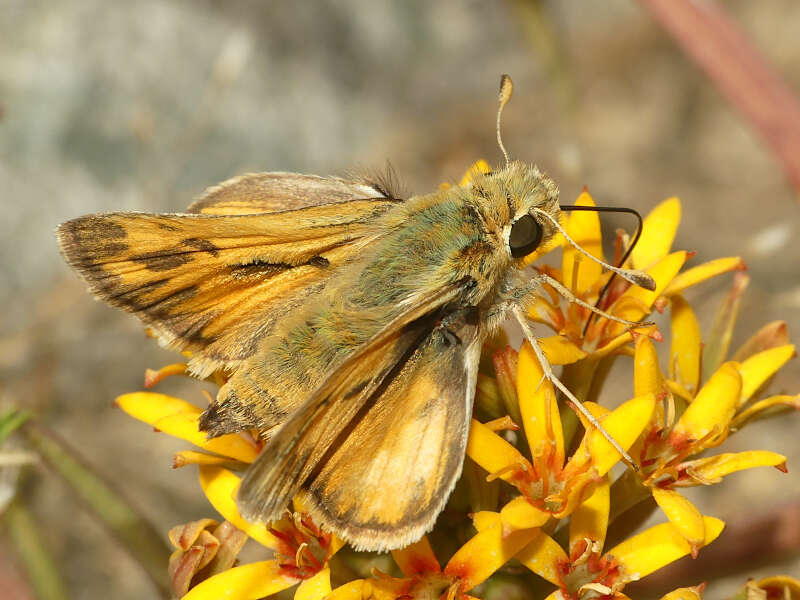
388	479
302	443
279	192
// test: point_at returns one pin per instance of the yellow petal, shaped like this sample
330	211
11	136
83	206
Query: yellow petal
179	418
486	519
416	559
491	451
542	555
185	426
629	305
353	590
479	166
703	272
615	344
521	514
247	582
685	593
658	546
713	468
658	233
714	405
647	377
219	486
540	416
316	587
150	406
682	514
560	351
687	345
625	424
760	367
765	408
590	519
486	552
584	228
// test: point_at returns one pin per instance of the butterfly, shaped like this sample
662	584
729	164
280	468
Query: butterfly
349	320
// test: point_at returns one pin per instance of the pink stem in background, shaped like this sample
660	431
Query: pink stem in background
716	44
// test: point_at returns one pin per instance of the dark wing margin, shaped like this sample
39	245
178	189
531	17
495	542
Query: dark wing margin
299	448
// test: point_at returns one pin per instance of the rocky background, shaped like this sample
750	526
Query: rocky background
112	105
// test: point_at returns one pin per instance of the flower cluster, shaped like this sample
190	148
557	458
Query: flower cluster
538	494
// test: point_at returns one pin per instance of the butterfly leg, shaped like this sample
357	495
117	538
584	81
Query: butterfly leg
576	404
565	292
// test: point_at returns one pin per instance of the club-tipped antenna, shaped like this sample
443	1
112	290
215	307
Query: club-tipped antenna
634	276
506	89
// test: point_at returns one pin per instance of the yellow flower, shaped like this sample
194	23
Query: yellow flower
666	454
423	578
544	484
586	278
584	570
301	550
549	485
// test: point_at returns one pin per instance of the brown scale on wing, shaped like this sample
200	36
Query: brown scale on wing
214	284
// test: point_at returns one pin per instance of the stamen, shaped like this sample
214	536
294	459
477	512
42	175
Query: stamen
589	548
298	556
576	267
669	410
599	588
502	424
507	469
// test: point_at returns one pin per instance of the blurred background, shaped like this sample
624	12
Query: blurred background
112	105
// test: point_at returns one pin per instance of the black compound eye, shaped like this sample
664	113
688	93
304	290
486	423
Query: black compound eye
525	237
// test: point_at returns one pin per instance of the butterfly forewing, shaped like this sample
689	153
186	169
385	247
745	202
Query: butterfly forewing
215	284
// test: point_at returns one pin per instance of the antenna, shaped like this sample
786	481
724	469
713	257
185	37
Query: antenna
624	256
634	276
506	89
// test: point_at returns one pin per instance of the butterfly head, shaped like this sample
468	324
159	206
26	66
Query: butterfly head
513	199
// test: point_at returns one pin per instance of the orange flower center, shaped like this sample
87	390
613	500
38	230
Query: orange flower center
547	484
663	454
303	548
588	574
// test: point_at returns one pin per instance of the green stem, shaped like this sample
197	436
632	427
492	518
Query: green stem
137	536
42	572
